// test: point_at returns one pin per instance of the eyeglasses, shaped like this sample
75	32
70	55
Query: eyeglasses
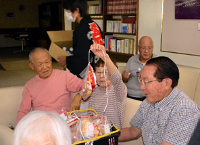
99	73
146	48
141	81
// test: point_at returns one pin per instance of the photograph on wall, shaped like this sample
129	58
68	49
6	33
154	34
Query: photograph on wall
9	14
187	9
179	35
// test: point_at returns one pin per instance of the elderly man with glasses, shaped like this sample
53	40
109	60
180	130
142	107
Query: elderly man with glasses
135	65
167	115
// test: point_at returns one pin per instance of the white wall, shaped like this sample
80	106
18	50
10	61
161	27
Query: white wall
68	24
185	41
150	20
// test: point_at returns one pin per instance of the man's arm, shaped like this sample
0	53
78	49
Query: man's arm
129	133
165	143
25	105
76	102
125	76
62	61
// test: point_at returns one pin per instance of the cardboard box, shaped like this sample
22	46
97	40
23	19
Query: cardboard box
60	39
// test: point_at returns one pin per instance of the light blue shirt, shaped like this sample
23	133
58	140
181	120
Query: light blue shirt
173	119
133	86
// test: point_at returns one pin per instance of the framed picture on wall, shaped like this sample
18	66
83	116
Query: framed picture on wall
179	36
9	14
187	9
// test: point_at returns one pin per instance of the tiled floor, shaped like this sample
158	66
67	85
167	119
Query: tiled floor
6	54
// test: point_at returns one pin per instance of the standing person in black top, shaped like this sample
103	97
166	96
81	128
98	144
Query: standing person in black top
195	138
85	34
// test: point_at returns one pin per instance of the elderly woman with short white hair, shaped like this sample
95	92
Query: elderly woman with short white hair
42	128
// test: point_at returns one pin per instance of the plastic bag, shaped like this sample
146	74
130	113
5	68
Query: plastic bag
86	124
89	82
94	126
63	113
90	129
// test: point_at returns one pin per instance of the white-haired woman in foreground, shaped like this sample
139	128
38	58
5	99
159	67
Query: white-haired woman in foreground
42	128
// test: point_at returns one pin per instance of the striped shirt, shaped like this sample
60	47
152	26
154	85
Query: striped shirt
173	119
116	100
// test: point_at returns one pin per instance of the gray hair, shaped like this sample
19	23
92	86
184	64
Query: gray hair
36	50
37	124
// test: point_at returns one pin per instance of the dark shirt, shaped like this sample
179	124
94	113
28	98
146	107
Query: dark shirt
195	139
82	39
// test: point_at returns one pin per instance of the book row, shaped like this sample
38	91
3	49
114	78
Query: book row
121	6
94	9
120	27
119	44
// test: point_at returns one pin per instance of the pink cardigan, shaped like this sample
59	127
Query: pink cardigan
51	94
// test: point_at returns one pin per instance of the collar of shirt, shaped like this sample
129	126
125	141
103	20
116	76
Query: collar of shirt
167	100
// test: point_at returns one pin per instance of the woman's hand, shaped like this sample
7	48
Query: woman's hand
98	50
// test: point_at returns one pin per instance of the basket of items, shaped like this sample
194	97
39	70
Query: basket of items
89	128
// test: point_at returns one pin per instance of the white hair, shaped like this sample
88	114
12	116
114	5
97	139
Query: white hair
37	125
37	49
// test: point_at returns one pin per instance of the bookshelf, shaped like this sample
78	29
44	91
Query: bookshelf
116	11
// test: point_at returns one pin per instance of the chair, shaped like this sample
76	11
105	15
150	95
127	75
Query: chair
21	36
130	110
10	99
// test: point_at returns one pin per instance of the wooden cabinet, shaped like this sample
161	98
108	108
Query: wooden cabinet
50	15
50	19
114	10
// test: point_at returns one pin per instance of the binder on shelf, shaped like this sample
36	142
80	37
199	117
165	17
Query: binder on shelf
124	28
113	44
130	27
117	6
126	45
122	46
109	45
131	51
134	47
123	10
116	26
109	25
107	41
134	28
109	6
121	6
133	6
130	20
118	45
